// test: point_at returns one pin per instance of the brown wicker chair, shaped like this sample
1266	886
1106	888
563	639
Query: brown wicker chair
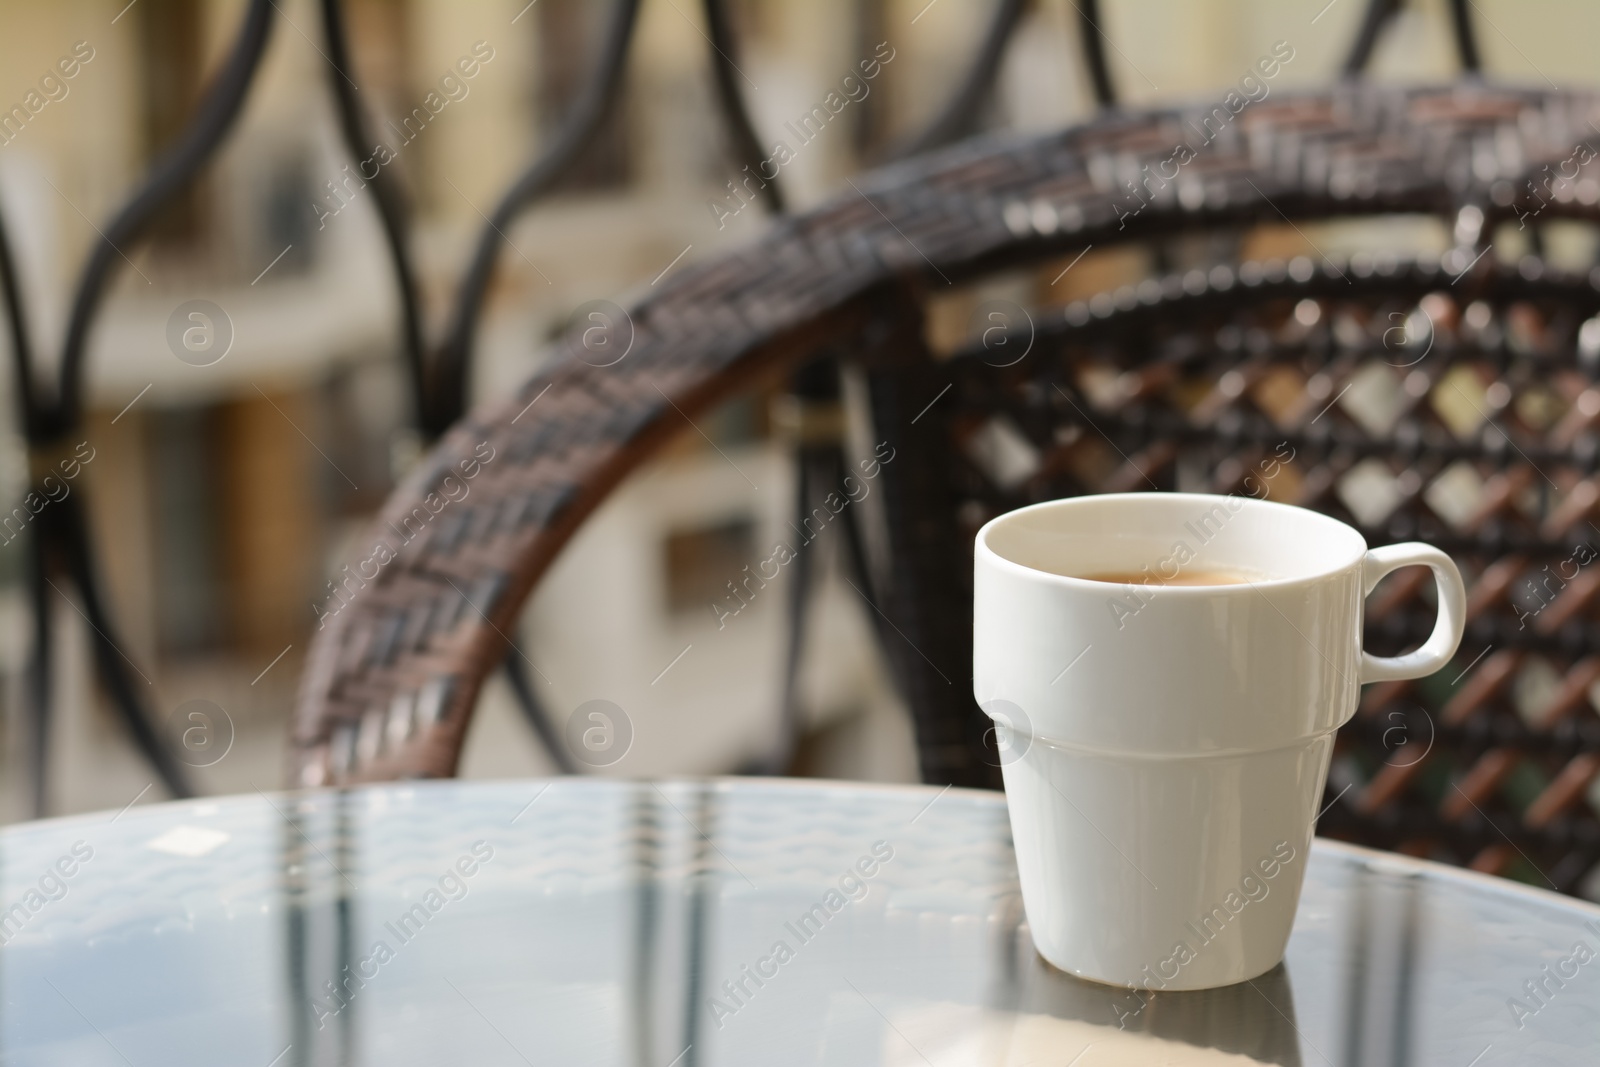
1325	382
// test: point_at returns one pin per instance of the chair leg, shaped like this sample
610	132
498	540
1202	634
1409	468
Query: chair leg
534	711
777	760
817	470
855	559
39	663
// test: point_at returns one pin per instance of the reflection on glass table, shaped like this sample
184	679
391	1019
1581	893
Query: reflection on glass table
696	923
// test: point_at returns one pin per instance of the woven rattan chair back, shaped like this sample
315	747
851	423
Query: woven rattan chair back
1449	398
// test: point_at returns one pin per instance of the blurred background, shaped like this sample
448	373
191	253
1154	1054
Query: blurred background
223	495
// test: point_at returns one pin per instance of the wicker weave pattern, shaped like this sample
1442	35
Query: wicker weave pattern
1473	430
394	673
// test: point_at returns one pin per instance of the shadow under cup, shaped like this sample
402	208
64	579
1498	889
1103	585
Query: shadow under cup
1164	748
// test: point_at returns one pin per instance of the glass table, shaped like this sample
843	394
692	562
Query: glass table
588	921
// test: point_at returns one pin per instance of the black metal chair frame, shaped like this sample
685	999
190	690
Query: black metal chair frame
438	373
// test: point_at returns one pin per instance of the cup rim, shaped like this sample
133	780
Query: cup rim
1344	529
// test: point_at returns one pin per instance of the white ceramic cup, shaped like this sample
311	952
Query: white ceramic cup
1164	748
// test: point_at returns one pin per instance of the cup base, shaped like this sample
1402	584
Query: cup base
1176	985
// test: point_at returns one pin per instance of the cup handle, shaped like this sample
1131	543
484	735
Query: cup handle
1447	628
